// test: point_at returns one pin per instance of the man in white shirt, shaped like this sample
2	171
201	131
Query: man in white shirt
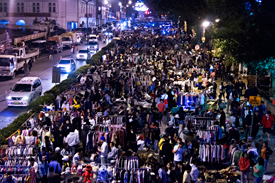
72	140
103	150
178	150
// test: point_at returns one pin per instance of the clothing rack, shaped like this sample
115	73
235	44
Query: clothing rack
114	119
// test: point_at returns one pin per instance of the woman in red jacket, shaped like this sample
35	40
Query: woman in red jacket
244	164
267	121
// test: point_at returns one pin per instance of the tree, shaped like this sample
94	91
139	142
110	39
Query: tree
191	11
246	30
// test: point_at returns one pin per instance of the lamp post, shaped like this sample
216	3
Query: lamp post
204	25
87	19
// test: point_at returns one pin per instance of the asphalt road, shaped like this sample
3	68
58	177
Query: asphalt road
42	68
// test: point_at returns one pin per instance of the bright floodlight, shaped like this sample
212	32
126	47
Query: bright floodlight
120	4
205	24
105	2
217	20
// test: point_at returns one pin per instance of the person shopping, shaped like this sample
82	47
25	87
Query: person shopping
244	164
258	170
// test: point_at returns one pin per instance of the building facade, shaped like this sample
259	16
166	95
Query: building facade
68	14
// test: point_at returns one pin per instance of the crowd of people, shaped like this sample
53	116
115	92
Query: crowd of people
152	94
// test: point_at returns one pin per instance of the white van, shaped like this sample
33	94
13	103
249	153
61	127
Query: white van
24	91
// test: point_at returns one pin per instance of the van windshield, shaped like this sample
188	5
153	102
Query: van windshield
22	88
66	39
92	43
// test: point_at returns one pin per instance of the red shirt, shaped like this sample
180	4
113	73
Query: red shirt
161	107
267	123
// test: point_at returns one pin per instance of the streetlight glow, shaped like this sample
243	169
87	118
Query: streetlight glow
130	2
205	24
105	1
120	4
217	20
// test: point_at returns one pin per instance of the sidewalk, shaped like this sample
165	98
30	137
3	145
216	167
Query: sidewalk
258	143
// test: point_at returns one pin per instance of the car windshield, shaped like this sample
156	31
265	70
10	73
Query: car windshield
5	62
22	88
64	62
66	39
92	43
83	51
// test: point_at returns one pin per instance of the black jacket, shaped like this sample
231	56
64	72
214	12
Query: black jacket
222	119
268	152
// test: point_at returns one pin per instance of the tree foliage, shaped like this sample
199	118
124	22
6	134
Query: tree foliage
191	11
246	30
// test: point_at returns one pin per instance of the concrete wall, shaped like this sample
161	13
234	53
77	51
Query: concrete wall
269	106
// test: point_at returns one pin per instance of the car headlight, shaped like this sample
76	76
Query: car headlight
25	98
68	69
8	98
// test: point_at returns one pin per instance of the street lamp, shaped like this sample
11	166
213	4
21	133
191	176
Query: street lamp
217	20
205	24
105	1
130	2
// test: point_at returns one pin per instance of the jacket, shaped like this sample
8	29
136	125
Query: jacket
267	123
268	153
43	169
244	164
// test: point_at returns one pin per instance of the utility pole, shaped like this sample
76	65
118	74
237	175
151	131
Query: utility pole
87	23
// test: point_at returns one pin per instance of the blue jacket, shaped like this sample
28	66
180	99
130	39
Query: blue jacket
43	169
53	164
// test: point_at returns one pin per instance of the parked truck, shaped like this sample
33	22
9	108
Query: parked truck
68	39
23	53
10	64
54	44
